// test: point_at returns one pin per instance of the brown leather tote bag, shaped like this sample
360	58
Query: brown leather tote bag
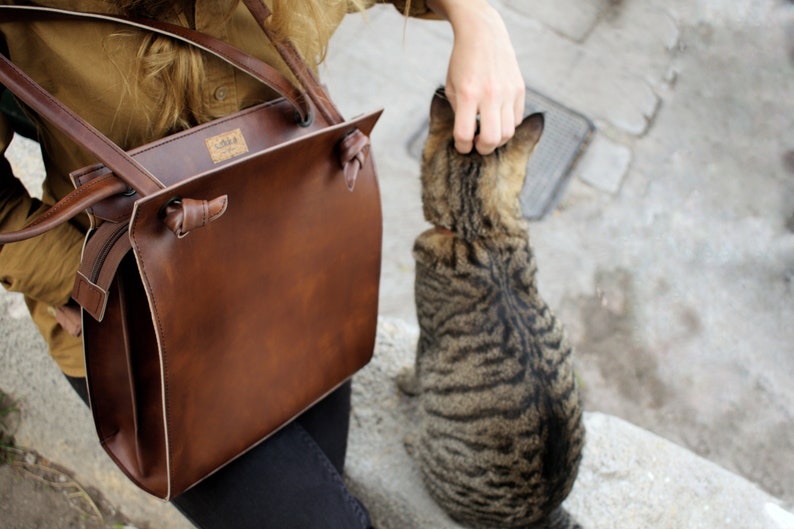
231	277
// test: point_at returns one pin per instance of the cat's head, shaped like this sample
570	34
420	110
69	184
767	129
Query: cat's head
471	194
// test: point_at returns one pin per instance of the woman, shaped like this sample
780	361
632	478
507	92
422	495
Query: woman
136	87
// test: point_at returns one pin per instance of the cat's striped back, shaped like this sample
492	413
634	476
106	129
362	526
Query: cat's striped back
501	430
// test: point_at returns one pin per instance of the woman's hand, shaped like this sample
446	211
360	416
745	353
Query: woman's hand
484	78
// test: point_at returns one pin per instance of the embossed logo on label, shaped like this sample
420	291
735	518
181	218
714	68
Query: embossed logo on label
227	145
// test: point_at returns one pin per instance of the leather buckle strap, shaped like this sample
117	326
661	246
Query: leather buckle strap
103	252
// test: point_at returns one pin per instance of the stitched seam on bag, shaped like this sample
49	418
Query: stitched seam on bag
164	355
222	210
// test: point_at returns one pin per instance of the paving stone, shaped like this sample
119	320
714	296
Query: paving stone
604	164
595	84
616	97
628	477
643	37
574	19
57	424
745	13
593	78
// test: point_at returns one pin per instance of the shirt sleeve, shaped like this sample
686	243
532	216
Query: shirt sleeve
414	8
43	267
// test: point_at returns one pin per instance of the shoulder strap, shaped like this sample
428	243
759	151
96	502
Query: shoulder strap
256	68
123	166
296	64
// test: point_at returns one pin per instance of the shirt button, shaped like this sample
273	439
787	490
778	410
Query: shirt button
220	93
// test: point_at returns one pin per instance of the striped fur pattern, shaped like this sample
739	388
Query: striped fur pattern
500	434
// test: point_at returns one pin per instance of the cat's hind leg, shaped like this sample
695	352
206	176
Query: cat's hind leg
407	381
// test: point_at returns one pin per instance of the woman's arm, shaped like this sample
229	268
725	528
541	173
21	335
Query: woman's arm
484	78
43	267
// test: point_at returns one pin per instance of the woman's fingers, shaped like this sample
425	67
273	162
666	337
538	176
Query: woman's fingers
519	104
492	130
484	81
485	123
465	120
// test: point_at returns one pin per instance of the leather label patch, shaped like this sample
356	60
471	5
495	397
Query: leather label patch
227	145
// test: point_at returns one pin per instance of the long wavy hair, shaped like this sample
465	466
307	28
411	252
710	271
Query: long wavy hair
169	74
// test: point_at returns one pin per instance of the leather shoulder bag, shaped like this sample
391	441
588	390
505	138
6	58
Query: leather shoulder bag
230	279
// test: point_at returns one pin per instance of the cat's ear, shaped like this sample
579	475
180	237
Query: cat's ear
441	113
519	149
529	131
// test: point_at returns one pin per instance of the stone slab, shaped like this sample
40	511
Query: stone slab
574	19
595	77
57	424
629	478
605	164
643	35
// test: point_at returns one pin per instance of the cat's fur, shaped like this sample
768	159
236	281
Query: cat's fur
500	434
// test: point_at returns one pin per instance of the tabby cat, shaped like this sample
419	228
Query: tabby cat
500	434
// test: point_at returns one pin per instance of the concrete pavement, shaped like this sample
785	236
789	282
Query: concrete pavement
670	257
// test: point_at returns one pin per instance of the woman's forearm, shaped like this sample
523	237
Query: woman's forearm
484	79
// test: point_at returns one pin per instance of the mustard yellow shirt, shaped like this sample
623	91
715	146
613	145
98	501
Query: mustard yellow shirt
85	65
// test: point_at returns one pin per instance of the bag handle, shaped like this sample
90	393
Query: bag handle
123	166
355	145
254	67
296	64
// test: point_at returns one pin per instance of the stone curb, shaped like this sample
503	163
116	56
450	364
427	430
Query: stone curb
629	477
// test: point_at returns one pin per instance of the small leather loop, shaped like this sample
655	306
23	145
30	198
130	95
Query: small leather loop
185	215
353	152
90	296
103	252
351	173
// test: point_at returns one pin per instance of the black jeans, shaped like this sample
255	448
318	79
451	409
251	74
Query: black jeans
291	481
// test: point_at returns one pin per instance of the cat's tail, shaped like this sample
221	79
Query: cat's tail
557	519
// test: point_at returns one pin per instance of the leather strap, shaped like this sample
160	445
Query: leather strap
79	130
254	67
107	245
69	206
82	133
296	64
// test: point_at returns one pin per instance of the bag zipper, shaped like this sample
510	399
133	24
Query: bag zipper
108	245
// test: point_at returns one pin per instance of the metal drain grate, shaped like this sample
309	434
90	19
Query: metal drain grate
565	136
